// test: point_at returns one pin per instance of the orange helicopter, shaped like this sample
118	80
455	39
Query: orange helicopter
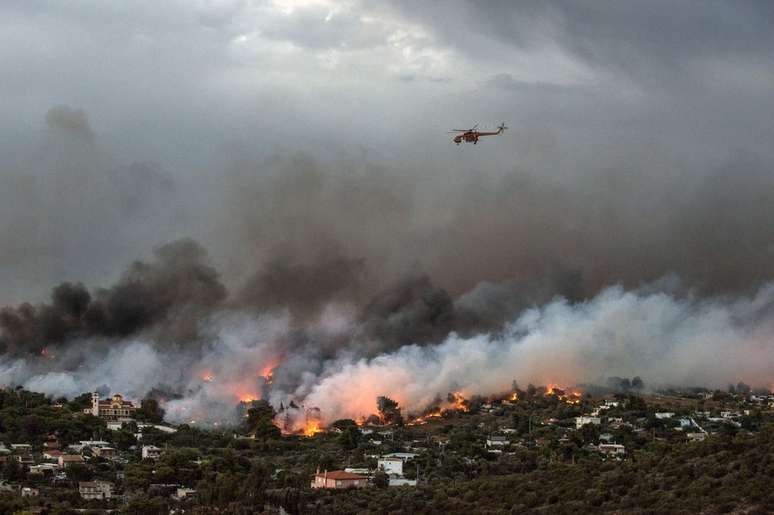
471	135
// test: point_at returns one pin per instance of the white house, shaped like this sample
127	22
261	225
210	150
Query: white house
664	414
151	452
391	466
497	441
612	449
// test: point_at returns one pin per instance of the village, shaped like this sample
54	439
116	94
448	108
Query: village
111	453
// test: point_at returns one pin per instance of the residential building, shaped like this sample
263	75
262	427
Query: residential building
151	452
182	493
105	452
612	449
391	466
66	460
664	414
497	441
95	490
339	479
115	408
29	492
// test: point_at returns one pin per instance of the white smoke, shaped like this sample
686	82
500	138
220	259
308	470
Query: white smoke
664	338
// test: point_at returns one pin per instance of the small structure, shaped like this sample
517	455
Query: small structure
151	452
67	460
25	460
52	455
182	493
612	449
105	452
339	479
496	441
583	420
664	415
115	408
28	491
95	490
391	466
696	437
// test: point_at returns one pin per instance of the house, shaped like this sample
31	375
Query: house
339	479
21	447
66	460
611	449
44	468
4	449
52	455
51	443
391	466
25	460
95	490
29	492
696	437
661	415
583	420
497	440
105	452
115	408
151	452
182	493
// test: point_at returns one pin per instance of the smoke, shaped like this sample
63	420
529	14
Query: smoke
331	281
169	294
72	121
666	337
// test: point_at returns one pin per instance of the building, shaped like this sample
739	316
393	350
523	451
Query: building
339	479
583	420
105	452
182	493
664	414
612	449
391	466
151	452
115	408
498	441
52	455
66	460
29	492
95	490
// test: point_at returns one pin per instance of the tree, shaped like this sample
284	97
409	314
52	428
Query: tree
381	479
389	411
260	420
150	411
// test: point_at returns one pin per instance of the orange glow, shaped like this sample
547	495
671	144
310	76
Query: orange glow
207	376
568	395
267	372
312	427
459	402
514	396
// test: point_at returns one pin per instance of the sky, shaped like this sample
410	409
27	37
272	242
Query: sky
638	132
221	188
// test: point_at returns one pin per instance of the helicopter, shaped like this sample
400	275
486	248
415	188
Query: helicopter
471	135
